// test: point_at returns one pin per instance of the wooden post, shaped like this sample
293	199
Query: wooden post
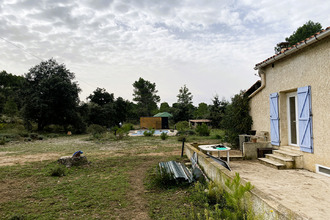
183	140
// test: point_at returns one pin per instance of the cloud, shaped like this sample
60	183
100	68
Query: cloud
211	45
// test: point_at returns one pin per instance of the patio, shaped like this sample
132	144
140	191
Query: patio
277	194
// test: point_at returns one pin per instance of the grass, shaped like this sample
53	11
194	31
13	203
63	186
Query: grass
107	188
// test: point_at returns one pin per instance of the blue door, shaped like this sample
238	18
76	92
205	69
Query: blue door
274	120
305	119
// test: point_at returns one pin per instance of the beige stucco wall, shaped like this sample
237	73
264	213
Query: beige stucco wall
308	67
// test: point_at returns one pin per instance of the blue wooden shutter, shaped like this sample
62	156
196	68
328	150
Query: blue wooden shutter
274	120
305	119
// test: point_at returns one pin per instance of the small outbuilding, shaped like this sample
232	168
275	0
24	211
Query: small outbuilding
195	122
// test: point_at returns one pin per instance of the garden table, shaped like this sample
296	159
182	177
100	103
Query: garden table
215	147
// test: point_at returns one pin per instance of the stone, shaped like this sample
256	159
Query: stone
70	161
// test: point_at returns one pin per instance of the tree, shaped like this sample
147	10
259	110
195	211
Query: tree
51	96
303	32
236	119
184	97
217	111
183	110
11	89
145	96
164	107
202	112
101	97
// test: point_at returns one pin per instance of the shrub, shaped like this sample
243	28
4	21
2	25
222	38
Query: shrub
120	133
203	130
58	170
163	136
182	126
127	127
150	132
96	130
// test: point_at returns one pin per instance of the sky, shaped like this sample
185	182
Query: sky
211	46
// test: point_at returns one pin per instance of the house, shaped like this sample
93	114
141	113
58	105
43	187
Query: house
292	102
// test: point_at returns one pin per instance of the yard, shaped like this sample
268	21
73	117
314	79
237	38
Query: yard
117	184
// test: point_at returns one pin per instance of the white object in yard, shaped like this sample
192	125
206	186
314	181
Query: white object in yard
215	147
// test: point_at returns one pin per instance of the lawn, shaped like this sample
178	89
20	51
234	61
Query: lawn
115	185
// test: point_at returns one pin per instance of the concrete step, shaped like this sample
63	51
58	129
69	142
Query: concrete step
288	162
291	149
272	163
286	153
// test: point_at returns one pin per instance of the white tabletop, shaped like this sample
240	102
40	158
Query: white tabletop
214	147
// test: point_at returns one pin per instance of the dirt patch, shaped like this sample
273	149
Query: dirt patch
6	160
171	153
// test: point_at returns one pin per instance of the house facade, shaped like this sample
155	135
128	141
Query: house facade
293	100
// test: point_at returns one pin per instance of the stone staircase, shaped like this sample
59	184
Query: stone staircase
286	157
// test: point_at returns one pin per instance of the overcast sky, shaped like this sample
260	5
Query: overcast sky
209	45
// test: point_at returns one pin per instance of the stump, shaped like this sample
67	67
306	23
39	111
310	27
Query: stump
69	161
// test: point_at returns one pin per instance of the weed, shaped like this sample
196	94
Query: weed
58	170
150	132
163	136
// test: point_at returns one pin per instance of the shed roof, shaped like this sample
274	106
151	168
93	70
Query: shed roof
163	115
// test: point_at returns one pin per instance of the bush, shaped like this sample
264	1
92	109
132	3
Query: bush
150	132
120	133
58	170
127	127
96	130
203	130
182	126
163	136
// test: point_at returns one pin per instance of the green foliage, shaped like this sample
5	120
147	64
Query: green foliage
203	130
182	126
183	110
148	133
127	127
101	97
145	96
163	136
237	120
303	32
236	199
217	111
58	170
162	179
51	96
97	131
202	112
164	107
10	107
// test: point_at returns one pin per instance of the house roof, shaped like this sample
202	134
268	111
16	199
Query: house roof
308	41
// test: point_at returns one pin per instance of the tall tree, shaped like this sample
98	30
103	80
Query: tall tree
145	94
10	90
51	96
164	107
237	119
202	112
101	97
183	110
217	111
302	32
184	97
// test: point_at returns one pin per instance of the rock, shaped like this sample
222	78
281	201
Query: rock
69	161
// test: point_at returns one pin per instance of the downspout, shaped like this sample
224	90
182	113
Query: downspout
262	75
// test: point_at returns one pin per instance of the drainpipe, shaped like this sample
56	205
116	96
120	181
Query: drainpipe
262	75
